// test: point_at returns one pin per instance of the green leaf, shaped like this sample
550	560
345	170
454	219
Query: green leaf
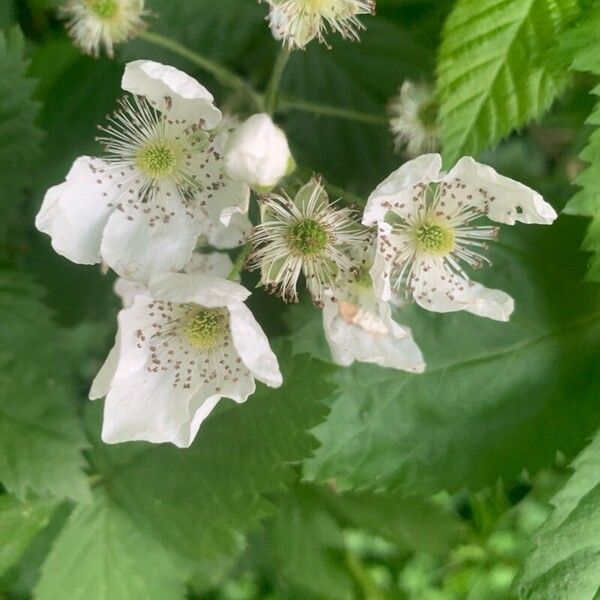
40	435
581	45
101	555
565	563
20	522
200	502
491	74
496	397
306	545
19	138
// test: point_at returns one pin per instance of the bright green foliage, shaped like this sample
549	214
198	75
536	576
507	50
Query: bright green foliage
581	47
101	555
19	138
565	563
495	398
491	77
20	522
203	499
40	436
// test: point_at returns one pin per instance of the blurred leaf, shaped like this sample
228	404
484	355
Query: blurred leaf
360	77
491	78
40	436
304	540
496	397
412	523
101	555
565	563
20	522
200	502
19	138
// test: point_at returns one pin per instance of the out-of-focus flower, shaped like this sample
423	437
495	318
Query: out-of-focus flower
297	22
257	153
431	223
306	236
96	24
160	186
414	119
182	346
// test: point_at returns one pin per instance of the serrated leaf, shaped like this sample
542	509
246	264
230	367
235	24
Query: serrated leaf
566	561
581	45
490	76
40	435
19	138
496	397
200	502
20	522
101	555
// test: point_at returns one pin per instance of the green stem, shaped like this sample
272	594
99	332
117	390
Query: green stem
272	93
222	74
368	587
333	111
238	265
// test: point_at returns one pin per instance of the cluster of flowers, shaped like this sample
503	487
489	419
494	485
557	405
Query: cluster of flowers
177	177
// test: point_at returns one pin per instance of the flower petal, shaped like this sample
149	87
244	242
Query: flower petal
173	91
397	191
211	263
74	213
103	380
206	290
232	236
136	246
436	289
504	200
252	345
381	269
350	341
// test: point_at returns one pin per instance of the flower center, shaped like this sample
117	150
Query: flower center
428	113
308	237
105	9
157	159
435	238
207	328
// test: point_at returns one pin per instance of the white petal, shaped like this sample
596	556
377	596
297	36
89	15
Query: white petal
380	271
231	236
173	91
127	290
103	380
349	342
74	213
212	263
206	290
136	249
257	152
397	193
438	290
252	345
505	199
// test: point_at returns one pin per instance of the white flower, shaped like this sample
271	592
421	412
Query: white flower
359	327
429	226
217	264
93	24
180	348
160	186
306	235
414	119
257	153
297	22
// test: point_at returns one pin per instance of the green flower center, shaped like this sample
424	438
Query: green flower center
105	9
308	237
207	328
428	114
157	159
435	238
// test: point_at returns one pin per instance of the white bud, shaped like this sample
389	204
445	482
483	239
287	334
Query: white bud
257	153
